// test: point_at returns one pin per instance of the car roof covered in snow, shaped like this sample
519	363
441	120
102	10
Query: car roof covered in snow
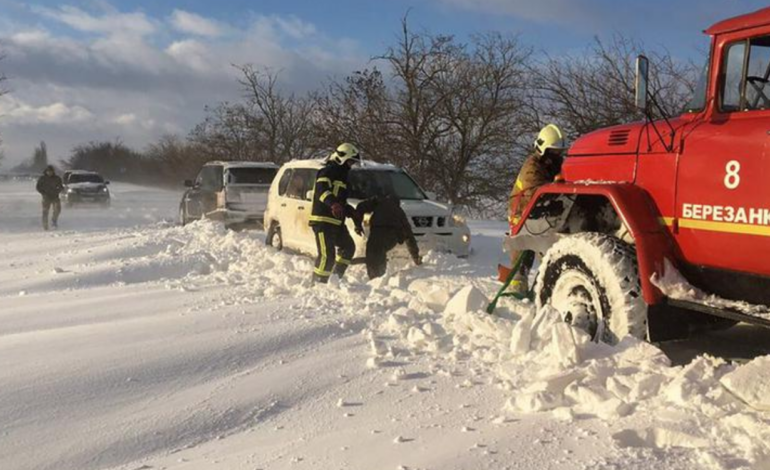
319	162
242	164
81	172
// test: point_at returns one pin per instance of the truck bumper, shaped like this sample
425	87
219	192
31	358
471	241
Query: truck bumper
455	240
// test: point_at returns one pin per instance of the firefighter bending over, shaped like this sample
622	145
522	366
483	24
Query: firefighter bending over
330	208
388	227
539	169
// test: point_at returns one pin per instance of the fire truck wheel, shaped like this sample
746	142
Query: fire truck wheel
592	280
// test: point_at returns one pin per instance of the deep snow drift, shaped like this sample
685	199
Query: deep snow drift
128	342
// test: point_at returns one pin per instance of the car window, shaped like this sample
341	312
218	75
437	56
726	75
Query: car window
746	72
250	175
283	185
211	178
302	181
369	183
757	74
85	178
733	73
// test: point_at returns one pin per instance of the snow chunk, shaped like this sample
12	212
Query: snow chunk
469	299
751	383
434	296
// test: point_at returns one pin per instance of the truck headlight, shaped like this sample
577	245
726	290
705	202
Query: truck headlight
104	189
466	238
458	220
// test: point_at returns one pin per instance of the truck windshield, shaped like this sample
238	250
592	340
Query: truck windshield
698	101
251	175
84	178
369	183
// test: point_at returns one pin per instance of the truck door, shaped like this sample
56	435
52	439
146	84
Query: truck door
723	196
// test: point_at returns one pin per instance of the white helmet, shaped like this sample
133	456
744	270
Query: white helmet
549	138
344	153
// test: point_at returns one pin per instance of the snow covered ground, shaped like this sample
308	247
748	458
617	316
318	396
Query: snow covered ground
127	342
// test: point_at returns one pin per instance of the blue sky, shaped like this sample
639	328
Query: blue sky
84	70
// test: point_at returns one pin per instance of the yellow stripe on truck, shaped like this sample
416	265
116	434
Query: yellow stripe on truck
722	227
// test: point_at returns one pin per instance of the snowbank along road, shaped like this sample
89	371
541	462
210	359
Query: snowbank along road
128	342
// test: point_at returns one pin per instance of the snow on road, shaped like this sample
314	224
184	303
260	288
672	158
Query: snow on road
127	342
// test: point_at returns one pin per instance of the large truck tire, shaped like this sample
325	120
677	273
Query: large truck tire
592	280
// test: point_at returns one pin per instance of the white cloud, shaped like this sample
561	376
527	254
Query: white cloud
191	23
109	22
14	111
295	27
191	53
125	119
132	79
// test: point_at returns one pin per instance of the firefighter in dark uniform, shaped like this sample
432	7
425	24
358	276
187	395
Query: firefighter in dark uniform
49	185
388	227
330	208
539	169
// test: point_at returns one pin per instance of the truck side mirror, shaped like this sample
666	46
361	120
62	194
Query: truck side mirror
431	195
309	195
188	183
641	85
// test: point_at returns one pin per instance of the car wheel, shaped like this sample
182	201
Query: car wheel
592	280
274	237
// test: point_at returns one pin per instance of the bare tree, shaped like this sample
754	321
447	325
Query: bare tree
483	94
227	133
175	158
416	64
282	122
356	110
594	90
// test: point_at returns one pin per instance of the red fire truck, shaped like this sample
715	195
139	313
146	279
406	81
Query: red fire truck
644	202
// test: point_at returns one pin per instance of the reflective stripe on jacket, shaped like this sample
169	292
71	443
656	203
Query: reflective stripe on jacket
331	186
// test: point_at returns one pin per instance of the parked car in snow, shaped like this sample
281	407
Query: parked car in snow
434	224
232	192
81	186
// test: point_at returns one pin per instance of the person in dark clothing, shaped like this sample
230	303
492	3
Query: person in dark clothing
388	227
330	208
49	185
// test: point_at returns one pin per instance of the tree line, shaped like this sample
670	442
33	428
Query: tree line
459	116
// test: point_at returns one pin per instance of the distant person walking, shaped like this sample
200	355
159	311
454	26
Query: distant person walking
388	227
49	185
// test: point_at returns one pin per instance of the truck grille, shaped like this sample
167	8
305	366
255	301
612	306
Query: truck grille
422	222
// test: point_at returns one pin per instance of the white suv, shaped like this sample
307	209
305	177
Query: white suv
233	192
289	203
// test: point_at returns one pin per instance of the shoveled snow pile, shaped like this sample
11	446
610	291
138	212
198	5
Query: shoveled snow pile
709	407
